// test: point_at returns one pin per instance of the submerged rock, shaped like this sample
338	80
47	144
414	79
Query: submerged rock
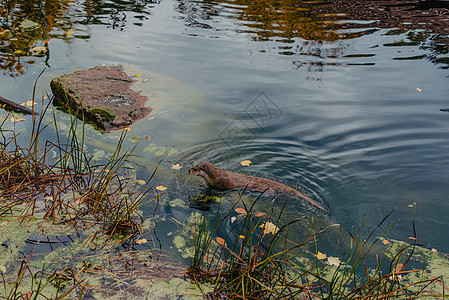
104	94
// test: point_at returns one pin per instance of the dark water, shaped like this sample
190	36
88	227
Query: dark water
341	99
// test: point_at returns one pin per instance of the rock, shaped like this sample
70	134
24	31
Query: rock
104	94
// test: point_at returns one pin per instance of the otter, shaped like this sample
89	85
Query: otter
225	180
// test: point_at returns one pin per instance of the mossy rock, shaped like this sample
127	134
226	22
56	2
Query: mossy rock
102	96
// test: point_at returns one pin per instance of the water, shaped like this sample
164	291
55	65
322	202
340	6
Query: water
341	100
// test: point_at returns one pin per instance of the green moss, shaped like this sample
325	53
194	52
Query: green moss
105	115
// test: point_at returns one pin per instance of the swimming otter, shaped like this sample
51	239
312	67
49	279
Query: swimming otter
226	180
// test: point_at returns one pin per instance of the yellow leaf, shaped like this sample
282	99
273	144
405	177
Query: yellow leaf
385	242
39	49
13	119
268	228
18	52
260	214
142	241
127	129
106	170
141	182
137	75
221	241
321	255
176	167
69	33
30	103
241	237
240	211
246	162
161	188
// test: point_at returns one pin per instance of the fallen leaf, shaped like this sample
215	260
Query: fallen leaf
260	214
26	296
241	237
333	261
161	188
18	52
145	80
321	255
385	242
30	103
142	241
106	170
232	220
141	182
268	228
176	167
246	163
69	33
137	75
39	49
434	250
240	211
13	119
221	241
418	89
127	129
147	137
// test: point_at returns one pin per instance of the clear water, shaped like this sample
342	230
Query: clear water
342	100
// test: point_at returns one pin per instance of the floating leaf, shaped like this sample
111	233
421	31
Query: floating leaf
138	75
13	119
321	255
333	261
135	139
39	49
233	219
240	211
241	237
145	80
418	89
268	228
18	52
30	103
161	188
106	170
385	242
221	241
142	241
141	182
176	167
69	33
246	163
147	137
260	214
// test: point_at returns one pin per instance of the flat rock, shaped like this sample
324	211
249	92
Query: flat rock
103	94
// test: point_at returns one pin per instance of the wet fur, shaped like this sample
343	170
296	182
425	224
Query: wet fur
225	180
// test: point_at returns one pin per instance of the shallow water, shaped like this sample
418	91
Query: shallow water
340	99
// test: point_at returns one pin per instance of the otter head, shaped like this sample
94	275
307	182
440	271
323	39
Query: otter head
204	169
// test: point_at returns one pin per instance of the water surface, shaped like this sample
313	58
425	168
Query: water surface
340	99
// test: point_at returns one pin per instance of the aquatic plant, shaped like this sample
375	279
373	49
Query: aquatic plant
257	260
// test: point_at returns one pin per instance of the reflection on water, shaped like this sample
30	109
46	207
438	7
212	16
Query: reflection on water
353	113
